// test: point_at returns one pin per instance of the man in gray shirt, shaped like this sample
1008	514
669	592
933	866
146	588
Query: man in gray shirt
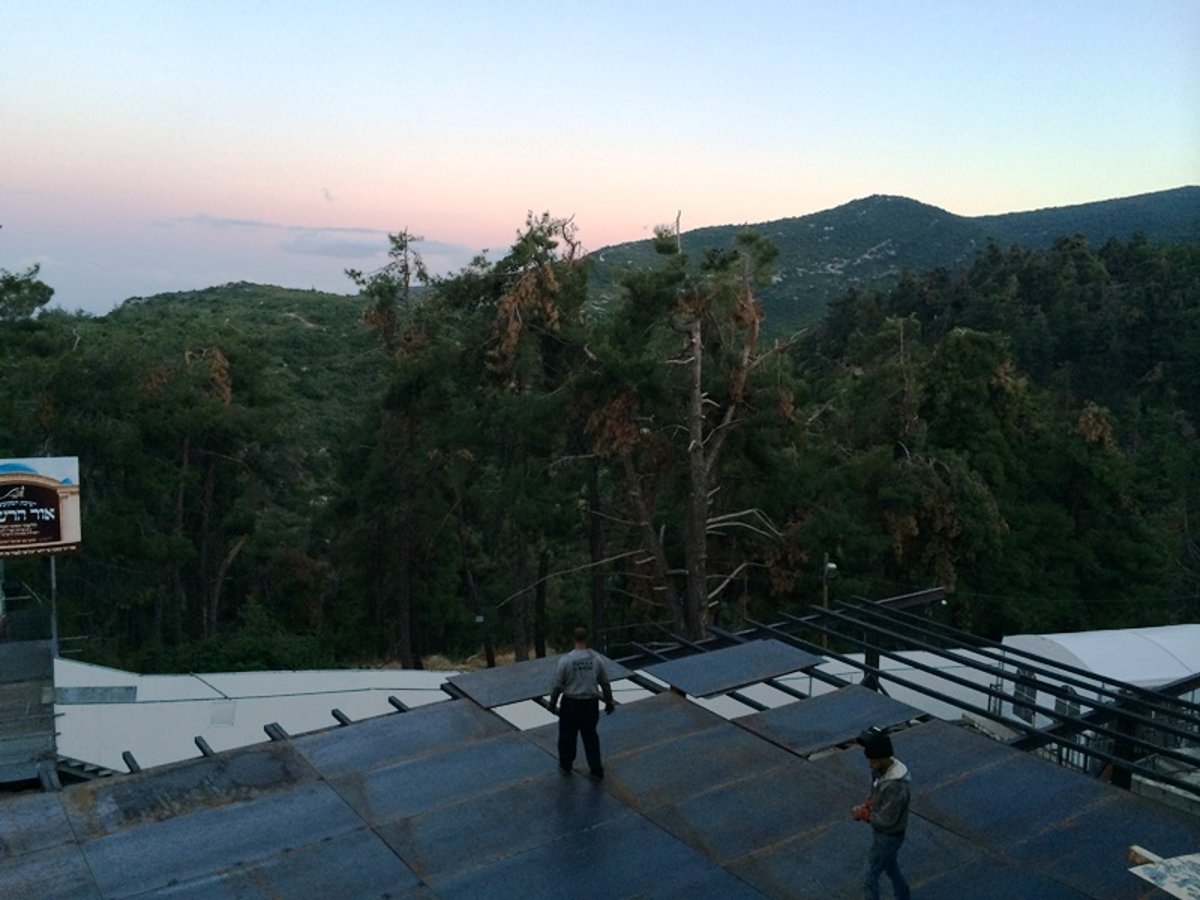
579	680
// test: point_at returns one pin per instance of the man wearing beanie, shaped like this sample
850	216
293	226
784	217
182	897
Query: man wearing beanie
886	811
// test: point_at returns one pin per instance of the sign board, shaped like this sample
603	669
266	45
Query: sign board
39	505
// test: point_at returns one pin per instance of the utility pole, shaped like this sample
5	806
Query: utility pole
54	605
828	570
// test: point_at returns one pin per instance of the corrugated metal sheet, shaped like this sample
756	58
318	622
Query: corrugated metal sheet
26	709
26	661
68	696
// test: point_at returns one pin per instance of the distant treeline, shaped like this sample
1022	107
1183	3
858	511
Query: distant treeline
286	479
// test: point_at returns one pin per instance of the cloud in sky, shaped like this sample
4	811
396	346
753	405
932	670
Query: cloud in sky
314	242
342	242
206	221
335	241
201	249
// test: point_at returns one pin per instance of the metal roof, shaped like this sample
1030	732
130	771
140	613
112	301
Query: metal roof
449	800
26	710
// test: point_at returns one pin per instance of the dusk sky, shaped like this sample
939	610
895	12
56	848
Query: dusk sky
163	146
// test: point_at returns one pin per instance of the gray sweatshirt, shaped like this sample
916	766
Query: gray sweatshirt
889	799
581	676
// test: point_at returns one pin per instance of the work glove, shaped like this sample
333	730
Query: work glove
553	707
861	813
608	708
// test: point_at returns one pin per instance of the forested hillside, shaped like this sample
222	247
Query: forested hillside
284	479
869	243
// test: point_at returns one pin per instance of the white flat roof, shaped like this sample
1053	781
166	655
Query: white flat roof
159	723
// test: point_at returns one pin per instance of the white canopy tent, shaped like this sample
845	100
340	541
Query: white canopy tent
1146	657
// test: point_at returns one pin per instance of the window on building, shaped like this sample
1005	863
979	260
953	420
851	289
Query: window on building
1024	694
1068	705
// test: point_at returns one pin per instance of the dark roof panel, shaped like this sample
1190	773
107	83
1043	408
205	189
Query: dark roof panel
627	857
818	723
32	822
450	801
640	724
450	839
58	871
382	741
352	864
992	879
763	808
99	808
829	861
424	782
680	767
1087	847
521	681
945	752
955	804
190	845
727	669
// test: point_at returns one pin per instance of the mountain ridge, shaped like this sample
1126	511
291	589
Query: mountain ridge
867	243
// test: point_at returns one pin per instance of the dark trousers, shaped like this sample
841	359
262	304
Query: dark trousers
882	861
578	718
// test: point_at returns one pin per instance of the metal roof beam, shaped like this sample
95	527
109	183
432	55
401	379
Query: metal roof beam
1017	678
1003	653
993	692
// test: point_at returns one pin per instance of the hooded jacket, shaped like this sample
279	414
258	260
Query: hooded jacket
889	799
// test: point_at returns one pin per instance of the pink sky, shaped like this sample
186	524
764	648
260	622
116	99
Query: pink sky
153	146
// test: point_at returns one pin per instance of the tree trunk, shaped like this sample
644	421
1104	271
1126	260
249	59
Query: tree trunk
207	627
696	524
596	547
403	595
218	583
664	588
520	603
539	605
473	594
178	589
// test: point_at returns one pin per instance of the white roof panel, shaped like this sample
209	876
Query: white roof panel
228	710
